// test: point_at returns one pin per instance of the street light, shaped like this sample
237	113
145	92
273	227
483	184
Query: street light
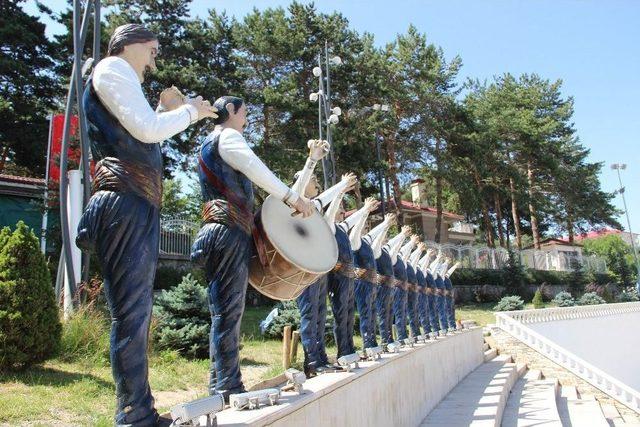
618	167
327	115
381	108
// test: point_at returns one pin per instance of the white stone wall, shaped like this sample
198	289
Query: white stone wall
399	390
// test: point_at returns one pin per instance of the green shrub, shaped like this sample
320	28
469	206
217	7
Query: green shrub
85	337
288	314
537	299
510	303
183	320
627	295
487	293
590	298
564	299
29	324
167	277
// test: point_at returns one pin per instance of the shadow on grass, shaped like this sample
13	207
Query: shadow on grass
41	376
247	361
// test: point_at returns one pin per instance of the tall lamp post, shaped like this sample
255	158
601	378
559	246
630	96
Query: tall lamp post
327	115
383	108
618	167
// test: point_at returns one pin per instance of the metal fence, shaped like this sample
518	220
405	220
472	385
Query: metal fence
484	257
177	235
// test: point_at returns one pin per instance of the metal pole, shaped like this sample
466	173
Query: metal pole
380	174
328	107
626	211
325	168
45	215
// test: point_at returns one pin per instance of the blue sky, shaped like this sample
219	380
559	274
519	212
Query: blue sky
593	46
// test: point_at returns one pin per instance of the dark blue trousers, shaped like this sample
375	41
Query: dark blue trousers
400	312
224	251
412	312
384	300
124	231
342	295
450	304
313	313
440	304
365	296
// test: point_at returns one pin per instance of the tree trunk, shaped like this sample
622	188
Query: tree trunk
498	208
390	144
438	193
514	213
487	225
3	158
570	228
532	210
266	136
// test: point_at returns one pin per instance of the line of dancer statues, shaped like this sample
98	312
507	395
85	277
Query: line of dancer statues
390	282
393	283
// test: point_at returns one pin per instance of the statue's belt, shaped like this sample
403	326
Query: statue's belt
412	287
368	275
439	291
388	281
402	284
448	293
220	211
232	210
345	269
428	291
113	174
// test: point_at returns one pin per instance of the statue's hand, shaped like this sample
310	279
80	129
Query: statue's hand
350	180
171	98
317	149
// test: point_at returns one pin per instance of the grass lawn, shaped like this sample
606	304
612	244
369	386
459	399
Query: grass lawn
81	392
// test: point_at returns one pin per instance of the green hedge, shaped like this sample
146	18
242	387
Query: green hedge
479	277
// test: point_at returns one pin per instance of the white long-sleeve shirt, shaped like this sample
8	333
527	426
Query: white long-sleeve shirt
442	268
434	265
394	245
376	237
355	223
332	210
234	150
118	87
452	269
415	256
326	197
406	249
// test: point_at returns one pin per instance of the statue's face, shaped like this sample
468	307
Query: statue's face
142	56
313	188
237	120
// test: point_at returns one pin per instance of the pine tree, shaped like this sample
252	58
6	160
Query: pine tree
183	319
30	328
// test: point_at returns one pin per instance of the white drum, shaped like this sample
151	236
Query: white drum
298	251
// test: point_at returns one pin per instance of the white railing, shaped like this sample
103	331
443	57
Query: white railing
514	323
176	236
484	257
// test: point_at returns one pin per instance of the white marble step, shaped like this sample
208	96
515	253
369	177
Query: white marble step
612	415
581	412
569	391
479	399
490	354
532	402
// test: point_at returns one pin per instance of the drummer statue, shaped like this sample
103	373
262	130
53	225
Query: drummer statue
121	222
312	302
227	168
